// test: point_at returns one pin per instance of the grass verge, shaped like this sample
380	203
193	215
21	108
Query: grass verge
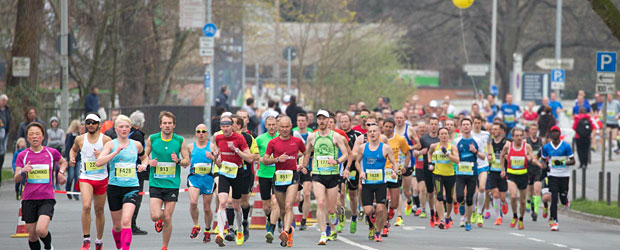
596	207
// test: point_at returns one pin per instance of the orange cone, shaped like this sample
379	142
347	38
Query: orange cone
258	219
21	231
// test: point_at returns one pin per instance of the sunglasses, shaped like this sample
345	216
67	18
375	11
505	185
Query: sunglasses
91	122
370	124
198	131
363	116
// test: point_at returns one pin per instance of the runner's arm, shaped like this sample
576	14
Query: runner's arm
106	154
344	148
309	150
388	153
186	160
414	137
74	150
454	155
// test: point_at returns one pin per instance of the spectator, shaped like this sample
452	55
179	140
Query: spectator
361	106
556	106
222	99
30	116
73	172
583	127
55	135
581	103
136	134
271	111
108	124
451	110
529	115
5	119
215	120
20	145
91	104
285	102
433	110
380	104
253	124
352	109
292	110
312	122
545	122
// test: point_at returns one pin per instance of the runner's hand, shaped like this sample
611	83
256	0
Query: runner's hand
423	151
502	174
210	155
27	168
174	157
331	161
346	174
231	145
60	178
304	170
72	162
431	167
282	158
141	167
153	162
96	152
472	148
394	175
362	176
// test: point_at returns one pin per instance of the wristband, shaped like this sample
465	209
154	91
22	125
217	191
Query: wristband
61	171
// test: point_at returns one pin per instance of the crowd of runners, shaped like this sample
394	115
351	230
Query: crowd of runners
421	160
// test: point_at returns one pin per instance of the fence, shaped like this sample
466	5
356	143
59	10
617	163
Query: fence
604	186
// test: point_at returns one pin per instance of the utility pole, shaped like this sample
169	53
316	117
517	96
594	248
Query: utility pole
64	63
208	80
493	42
558	36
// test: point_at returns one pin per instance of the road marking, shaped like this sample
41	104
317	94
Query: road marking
537	240
516	234
575	249
408	228
558	245
347	241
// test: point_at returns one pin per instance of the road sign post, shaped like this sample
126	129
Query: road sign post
558	78
289	54
606	73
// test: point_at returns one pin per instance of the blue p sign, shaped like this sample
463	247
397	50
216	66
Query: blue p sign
557	75
606	62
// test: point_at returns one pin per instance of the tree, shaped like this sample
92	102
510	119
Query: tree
608	12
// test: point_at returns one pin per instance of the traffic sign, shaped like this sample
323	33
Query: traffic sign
207	52
21	66
557	79
209	30
605	88
493	89
603	77
293	53
551	63
476	69
207	42
605	61
191	13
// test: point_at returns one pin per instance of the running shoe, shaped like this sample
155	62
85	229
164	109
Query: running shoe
353	227
480	220
513	223
418	212
442	225
385	232
550	222
289	241
216	230
474	217
206	238
98	245
448	223
432	222
269	237
467	226
555	226
283	238
390	214
333	217
545	212
505	208
534	216
360	216
371	234
164	248
521	227
457	208
567	205
85	245
240	238
230	236
341	217
332	236
159	225
246	231
194	233
422	214
487	215
462	223
436	220
528	204
408	208
498	221
219	240
461	210
302	227
378	238
322	240
399	221
301	205
340	227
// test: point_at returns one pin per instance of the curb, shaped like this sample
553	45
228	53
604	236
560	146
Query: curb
590	217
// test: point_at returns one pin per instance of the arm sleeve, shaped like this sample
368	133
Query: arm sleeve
19	162
300	146
269	150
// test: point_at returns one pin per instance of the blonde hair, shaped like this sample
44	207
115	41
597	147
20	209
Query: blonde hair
20	140
122	118
74	127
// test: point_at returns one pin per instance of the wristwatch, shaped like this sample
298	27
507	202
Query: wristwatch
237	150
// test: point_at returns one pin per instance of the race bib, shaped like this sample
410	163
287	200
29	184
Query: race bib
40	174
401	160
229	169
352	174
517	162
509	118
465	168
91	167
124	170
323	165
374	176
165	170
388	176
202	168
283	177
562	159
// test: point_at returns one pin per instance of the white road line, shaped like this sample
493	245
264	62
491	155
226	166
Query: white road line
537	240
516	234
408	228
347	241
558	245
575	249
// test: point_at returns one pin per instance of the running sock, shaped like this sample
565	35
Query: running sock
87	237
221	221
370	226
100	241
496	207
230	216
303	221
239	220
521	219
416	199
480	203
47	240
34	245
514	215
536	203
246	212
333	219
126	238
353	218
117	238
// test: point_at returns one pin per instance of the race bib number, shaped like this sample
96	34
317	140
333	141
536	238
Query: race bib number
561	159
352	174
496	164
465	168
401	160
322	163
388	176
91	167
202	168
165	170
509	118
229	169
125	170
374	176
611	113
40	174
517	162
283	177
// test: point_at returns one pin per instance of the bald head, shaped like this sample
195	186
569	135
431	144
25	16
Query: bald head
201	126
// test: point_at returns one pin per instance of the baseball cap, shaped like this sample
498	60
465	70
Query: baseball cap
226	114
555	128
323	113
286	99
92	117
433	104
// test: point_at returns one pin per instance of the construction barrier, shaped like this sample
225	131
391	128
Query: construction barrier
21	231
258	218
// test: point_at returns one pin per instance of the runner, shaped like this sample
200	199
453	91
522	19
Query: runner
241	121
559	155
516	155
401	151
408	180
93	179
362	128
164	149
325	175
484	144
340	206
353	179
534	181
265	179
121	155
234	150
510	114
370	164
497	183
200	181
282	151
422	129
35	164
426	141
305	179
441	156
470	152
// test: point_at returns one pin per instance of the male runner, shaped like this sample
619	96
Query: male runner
534	181
340	206
401	151
497	183
233	151
516	155
362	128
283	151
425	143
305	179
200	181
265	179
36	165
407	132
422	129
353	179
240	122
559	156
467	169
165	173
370	164
93	179
325	175
510	114
484	140
441	156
